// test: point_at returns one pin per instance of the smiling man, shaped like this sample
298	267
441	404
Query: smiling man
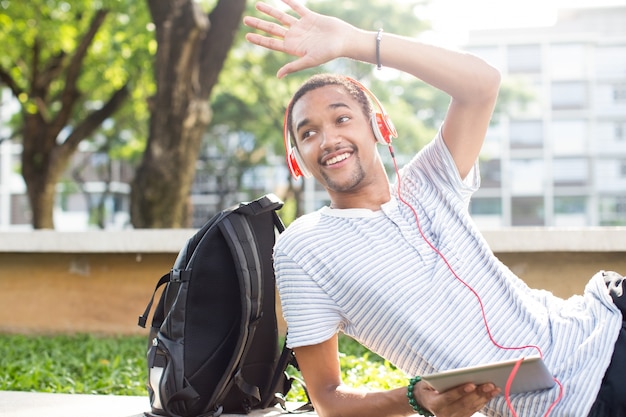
401	267
336	144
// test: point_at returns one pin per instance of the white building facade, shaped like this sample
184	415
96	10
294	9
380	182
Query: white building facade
558	159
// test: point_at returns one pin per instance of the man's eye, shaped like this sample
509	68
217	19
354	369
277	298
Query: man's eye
343	119
307	134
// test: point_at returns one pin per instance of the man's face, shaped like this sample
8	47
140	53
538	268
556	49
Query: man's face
334	138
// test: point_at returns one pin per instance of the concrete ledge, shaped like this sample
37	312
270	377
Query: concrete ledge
119	241
100	281
30	404
546	239
517	239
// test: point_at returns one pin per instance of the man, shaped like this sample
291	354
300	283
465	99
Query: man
402	268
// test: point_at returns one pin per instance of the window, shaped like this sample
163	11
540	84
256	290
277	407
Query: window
526	134
567	61
619	93
486	206
527	211
570	211
569	95
527	176
570	205
574	171
568	137
524	59
490	173
611	61
612	211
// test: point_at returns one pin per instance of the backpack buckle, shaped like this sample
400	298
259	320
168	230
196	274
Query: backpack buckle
179	275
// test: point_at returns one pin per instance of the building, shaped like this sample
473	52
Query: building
560	159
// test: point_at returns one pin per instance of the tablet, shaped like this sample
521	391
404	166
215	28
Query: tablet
532	375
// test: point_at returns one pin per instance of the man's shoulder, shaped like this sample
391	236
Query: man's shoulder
300	227
305	221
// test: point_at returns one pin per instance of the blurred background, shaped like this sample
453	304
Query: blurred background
109	120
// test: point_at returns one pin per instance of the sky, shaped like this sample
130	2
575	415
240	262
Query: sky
451	19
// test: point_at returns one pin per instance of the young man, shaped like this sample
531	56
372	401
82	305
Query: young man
401	267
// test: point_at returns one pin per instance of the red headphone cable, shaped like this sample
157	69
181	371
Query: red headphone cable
480	302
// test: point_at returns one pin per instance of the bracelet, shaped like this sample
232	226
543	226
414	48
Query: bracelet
379	37
412	401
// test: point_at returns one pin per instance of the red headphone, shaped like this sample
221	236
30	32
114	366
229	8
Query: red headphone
383	129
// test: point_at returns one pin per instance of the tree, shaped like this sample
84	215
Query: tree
192	48
64	65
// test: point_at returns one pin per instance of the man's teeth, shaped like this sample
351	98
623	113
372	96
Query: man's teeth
337	159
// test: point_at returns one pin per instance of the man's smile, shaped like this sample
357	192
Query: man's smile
336	159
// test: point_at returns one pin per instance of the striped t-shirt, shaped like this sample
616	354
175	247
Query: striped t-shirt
373	276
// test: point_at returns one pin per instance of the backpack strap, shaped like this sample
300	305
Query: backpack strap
261	205
241	240
175	275
278	223
279	378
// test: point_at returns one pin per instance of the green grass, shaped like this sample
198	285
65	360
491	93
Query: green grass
85	364
73	364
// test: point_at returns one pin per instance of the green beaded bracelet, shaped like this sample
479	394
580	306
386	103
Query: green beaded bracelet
412	401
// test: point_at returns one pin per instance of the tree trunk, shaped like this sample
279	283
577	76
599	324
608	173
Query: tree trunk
39	169
44	160
192	48
44	156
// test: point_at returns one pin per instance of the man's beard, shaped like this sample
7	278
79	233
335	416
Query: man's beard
357	176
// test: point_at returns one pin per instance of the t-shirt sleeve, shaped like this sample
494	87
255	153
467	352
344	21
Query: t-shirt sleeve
435	163
312	316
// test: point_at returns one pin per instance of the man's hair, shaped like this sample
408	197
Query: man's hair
322	80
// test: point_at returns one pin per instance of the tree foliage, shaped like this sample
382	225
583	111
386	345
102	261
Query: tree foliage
70	66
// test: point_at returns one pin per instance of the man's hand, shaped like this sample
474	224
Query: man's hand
462	401
311	37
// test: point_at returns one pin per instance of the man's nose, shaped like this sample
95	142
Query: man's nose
330	137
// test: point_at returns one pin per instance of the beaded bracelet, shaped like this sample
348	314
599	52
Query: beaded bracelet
412	401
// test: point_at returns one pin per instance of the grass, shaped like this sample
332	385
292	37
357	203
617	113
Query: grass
80	364
86	364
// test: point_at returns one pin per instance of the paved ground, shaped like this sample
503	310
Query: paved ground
31	404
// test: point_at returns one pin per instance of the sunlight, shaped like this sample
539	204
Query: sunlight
452	19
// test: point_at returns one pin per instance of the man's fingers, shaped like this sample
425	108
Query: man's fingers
265	26
266	42
297	7
295	66
281	16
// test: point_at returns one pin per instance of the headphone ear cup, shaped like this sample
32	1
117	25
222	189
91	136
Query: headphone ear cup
383	130
297	165
294	162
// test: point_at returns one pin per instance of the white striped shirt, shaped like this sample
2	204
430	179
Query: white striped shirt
371	275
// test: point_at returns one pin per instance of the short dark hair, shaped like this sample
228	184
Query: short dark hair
322	80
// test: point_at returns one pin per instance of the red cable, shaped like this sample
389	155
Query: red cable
480	302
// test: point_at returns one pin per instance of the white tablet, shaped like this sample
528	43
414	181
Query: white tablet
532	375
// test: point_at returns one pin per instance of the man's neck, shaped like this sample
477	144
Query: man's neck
371	201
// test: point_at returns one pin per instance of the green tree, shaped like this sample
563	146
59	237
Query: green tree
71	65
192	47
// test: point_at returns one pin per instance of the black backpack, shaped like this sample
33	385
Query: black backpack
213	344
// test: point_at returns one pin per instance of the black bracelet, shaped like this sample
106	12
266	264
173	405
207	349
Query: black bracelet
412	401
379	37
